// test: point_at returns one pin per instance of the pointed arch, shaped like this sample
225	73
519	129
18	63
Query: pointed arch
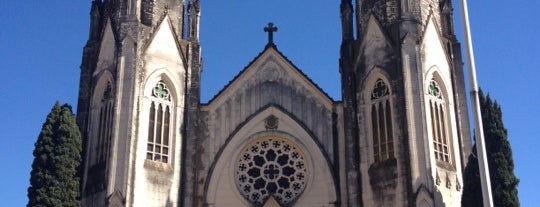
159	122
424	198
439	118
107	49
222	178
100	133
161	102
378	98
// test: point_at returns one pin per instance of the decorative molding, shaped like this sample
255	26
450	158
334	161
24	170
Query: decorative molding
448	182
271	122
458	184
158	166
116	199
437	178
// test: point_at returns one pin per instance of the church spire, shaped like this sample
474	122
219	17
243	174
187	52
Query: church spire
95	20
346	20
194	10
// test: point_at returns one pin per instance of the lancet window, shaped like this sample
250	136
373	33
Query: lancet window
159	124
381	122
101	136
104	125
439	123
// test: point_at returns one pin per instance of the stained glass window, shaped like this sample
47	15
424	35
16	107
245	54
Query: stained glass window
271	166
381	122
439	129
105	125
159	122
379	90
434	89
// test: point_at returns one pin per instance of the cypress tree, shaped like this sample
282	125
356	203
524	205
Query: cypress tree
54	177
501	164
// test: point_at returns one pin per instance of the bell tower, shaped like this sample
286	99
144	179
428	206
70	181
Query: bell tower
139	83
404	97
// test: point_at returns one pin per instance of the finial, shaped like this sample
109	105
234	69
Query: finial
270	29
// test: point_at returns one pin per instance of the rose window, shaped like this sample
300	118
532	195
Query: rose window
271	166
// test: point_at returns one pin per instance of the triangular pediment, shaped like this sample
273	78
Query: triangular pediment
375	43
433	49
107	49
164	45
374	37
272	66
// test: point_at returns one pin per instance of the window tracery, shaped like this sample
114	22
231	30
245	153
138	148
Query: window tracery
159	130
101	136
439	125
381	122
271	166
104	125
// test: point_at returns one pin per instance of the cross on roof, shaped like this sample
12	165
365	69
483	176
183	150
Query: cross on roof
270	29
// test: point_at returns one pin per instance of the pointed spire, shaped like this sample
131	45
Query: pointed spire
95	20
194	11
346	19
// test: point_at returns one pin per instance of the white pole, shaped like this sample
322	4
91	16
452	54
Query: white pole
478	128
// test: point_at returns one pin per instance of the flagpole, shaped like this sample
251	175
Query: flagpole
475	103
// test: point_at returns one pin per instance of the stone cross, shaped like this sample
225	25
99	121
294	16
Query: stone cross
270	29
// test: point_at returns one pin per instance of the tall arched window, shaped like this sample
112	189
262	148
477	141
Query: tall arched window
104	125
439	123
159	130
381	122
101	135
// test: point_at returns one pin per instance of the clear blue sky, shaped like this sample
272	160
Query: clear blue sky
41	47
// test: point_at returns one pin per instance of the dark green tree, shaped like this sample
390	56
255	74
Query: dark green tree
472	188
501	164
54	177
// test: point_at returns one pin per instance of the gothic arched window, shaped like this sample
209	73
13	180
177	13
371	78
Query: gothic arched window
439	123
160	120
101	136
104	125
381	122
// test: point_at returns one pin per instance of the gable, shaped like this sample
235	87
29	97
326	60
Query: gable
271	67
375	43
106	50
222	176
432	51
164	45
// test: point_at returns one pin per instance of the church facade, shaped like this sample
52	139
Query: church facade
272	137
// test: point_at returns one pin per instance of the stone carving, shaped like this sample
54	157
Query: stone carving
437	178
448	182
458	185
271	122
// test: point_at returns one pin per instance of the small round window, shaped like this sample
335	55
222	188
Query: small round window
271	166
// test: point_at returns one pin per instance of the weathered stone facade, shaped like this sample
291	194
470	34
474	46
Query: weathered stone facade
272	137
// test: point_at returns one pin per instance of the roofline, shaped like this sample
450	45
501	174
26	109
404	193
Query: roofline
268	47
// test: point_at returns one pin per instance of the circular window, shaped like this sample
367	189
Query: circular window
271	166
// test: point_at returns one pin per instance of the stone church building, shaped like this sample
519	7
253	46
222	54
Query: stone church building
272	137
